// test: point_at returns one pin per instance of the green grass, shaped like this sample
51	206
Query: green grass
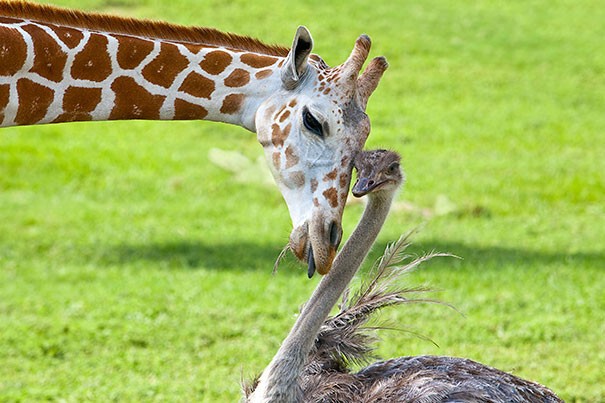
132	269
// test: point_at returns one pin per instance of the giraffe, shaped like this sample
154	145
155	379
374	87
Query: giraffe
60	65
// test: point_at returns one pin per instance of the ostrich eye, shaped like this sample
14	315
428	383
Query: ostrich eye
311	123
393	168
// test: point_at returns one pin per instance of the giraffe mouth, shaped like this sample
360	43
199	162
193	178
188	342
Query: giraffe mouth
311	268
315	245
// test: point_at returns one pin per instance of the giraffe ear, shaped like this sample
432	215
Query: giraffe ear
296	62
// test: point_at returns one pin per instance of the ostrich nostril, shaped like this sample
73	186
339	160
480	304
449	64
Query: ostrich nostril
370	183
335	234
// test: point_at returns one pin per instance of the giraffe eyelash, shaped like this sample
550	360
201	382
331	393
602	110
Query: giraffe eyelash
311	123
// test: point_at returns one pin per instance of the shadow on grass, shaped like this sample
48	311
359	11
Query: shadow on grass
493	258
248	256
197	255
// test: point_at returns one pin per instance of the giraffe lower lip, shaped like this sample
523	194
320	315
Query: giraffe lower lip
311	269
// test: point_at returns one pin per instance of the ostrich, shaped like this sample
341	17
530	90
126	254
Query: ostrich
310	366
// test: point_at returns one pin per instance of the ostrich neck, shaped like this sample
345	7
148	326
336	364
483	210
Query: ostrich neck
345	266
279	381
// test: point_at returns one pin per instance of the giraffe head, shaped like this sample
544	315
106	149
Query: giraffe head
311	130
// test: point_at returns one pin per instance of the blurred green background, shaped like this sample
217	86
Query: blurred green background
133	268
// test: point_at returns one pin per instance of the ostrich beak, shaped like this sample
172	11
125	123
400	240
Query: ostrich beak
363	186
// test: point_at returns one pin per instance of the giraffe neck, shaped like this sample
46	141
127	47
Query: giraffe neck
51	73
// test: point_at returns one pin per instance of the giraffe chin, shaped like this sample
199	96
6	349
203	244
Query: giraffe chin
317	248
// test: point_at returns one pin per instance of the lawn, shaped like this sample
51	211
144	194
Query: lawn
132	268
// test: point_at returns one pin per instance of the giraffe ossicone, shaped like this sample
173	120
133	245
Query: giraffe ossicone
60	65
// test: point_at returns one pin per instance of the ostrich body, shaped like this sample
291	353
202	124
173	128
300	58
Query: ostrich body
311	364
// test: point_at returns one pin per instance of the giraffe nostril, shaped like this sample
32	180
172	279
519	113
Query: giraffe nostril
335	234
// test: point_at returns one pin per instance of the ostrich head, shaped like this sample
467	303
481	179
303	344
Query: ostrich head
377	171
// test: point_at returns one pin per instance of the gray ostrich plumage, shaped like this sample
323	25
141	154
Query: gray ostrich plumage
313	363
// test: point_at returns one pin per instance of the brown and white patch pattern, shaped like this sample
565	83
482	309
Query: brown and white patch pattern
44	68
63	65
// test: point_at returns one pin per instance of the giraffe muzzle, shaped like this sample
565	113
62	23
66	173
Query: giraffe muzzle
335	234
324	238
316	243
311	267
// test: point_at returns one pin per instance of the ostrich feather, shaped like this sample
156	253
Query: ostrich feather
346	338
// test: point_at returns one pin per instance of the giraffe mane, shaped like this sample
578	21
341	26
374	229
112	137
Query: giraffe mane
136	27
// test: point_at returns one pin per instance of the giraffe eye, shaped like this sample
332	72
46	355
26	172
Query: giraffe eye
311	123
